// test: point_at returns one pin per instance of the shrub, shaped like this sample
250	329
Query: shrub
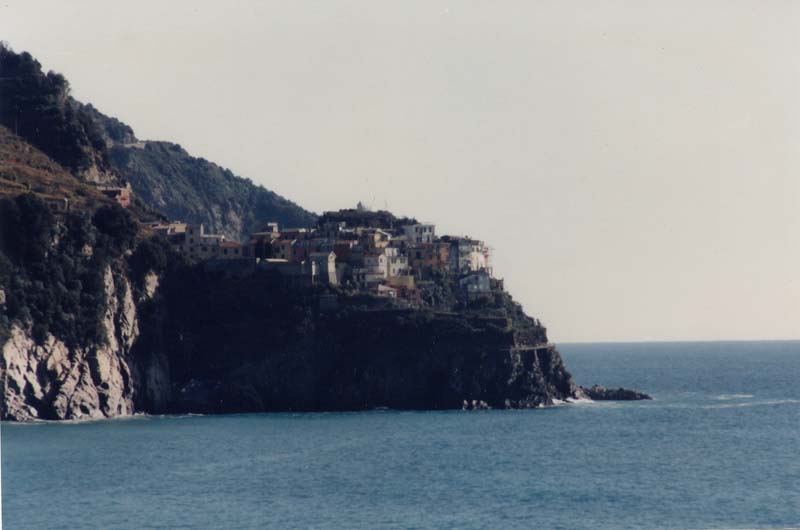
118	225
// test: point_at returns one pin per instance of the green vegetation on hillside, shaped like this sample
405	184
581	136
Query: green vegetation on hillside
195	190
38	107
51	269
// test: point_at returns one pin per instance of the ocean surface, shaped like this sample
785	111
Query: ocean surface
719	447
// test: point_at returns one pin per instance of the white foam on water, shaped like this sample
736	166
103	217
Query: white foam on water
581	401
727	397
767	402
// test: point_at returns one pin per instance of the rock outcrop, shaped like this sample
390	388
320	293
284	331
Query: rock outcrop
88	330
57	382
600	393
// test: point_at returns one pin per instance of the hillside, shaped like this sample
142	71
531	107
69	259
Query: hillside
195	190
38	108
26	169
99	319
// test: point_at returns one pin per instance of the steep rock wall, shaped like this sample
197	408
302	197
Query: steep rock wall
171	350
54	381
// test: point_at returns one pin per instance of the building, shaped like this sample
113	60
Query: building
121	194
396	263
301	248
303	274
420	233
167	229
476	284
467	255
270	228
283	249
375	238
199	244
325	263
294	233
376	264
229	250
429	256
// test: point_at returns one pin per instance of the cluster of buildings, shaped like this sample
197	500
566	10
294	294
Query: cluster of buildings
121	194
371	251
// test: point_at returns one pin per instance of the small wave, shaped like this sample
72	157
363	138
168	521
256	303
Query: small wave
754	528
767	402
728	397
581	401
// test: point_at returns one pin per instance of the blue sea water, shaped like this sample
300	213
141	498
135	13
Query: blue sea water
719	447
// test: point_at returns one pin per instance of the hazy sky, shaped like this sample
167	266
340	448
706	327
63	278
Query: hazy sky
634	165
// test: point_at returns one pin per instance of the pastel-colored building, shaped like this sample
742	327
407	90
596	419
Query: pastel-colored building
430	256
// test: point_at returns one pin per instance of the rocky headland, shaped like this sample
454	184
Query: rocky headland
100	317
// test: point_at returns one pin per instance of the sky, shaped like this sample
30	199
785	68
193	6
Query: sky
634	165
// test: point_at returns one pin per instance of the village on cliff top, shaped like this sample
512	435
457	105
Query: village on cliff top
371	251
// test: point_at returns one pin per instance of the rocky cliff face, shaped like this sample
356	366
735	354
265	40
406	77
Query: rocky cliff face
87	332
54	381
253	344
282	355
261	346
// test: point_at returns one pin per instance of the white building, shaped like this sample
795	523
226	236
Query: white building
396	263
198	244
420	233
374	270
469	255
376	264
325	265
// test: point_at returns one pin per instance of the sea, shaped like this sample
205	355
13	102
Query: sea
718	448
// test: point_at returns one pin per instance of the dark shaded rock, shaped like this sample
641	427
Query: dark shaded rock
600	393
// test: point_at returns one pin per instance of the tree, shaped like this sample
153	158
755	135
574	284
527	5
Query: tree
118	225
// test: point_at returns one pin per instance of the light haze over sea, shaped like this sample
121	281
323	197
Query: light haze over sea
717	448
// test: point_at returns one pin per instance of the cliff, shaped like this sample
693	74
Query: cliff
255	344
98	320
281	354
51	380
